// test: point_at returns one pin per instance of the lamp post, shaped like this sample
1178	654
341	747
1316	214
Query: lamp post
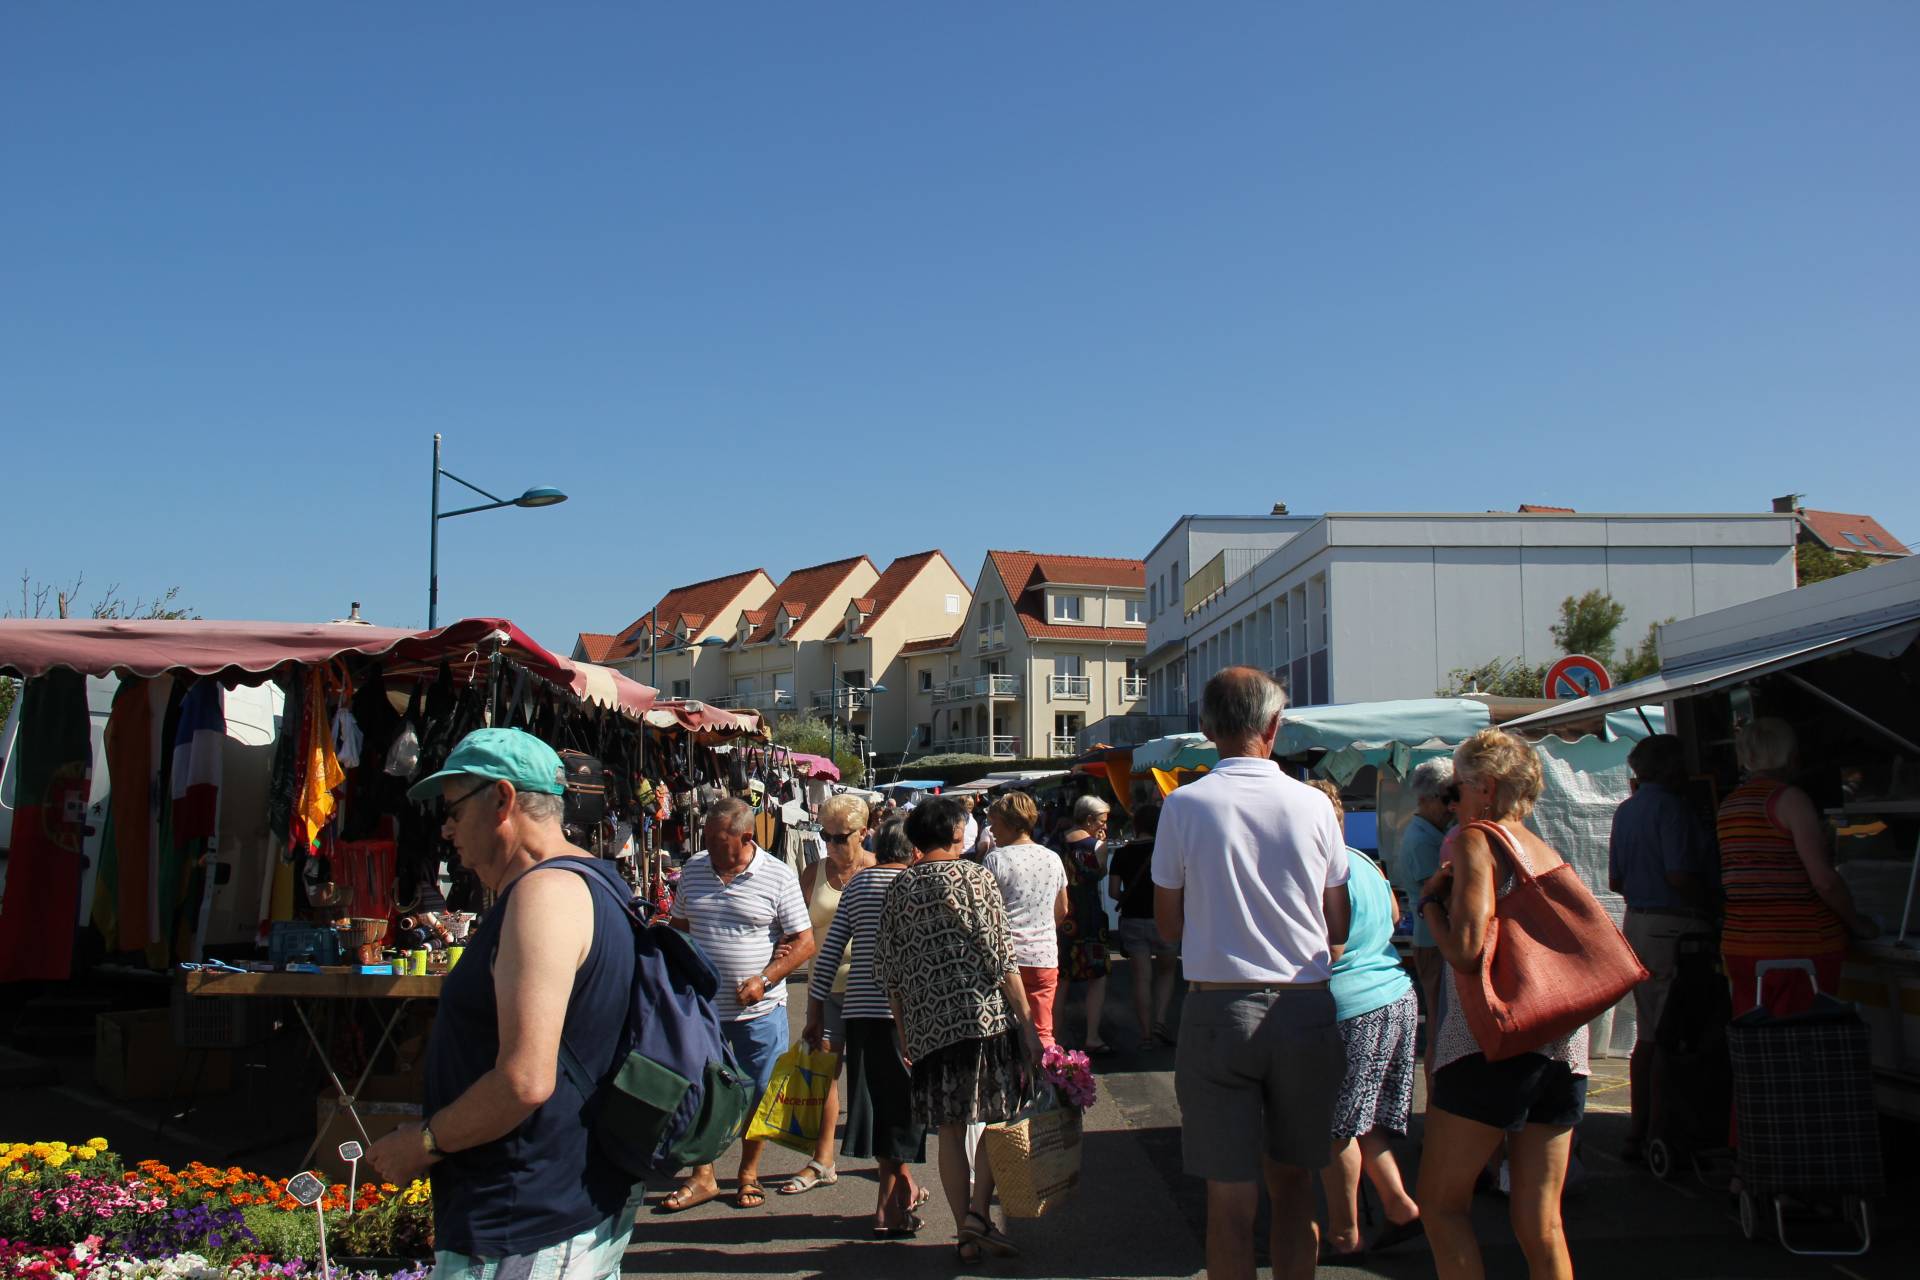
834	685
538	497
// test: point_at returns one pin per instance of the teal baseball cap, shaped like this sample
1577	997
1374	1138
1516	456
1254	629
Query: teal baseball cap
507	755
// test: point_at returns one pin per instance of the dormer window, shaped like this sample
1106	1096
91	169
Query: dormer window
1068	608
1853	537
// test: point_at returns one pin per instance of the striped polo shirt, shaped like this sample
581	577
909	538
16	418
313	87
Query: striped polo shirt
856	923
738	923
1772	909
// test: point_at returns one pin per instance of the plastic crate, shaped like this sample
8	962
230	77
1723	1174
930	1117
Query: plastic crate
293	940
217	1022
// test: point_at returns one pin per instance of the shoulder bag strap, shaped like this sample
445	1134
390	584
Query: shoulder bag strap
1502	839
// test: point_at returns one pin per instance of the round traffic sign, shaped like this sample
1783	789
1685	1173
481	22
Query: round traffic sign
1577	676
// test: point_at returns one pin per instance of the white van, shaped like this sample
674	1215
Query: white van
241	868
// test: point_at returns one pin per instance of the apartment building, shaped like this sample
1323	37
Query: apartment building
678	645
1047	659
1353	607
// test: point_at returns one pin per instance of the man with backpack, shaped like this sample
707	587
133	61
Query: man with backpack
518	1187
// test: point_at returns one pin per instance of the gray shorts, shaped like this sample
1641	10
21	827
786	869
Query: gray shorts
1257	1073
594	1254
1140	938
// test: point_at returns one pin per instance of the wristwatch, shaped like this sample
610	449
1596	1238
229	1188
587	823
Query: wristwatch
428	1141
1429	900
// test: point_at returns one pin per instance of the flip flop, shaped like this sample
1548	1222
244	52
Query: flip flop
749	1195
681	1199
921	1195
814	1175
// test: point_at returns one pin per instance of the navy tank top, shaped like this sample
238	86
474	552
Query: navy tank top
545	1182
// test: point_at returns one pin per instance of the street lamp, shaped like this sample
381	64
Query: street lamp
834	685
538	497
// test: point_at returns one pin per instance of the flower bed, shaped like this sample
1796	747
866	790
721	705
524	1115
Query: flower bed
77	1213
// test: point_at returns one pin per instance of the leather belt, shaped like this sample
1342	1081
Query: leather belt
1256	986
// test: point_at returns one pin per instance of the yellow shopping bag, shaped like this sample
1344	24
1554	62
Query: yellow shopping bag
795	1102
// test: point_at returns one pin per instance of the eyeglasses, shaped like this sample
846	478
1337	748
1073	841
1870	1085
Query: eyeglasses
453	806
836	838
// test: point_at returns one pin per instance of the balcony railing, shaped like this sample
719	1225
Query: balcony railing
998	746
849	701
1074	688
988	639
758	699
972	687
1133	688
1062	745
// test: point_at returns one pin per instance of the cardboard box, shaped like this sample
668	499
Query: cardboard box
134	1056
383	1104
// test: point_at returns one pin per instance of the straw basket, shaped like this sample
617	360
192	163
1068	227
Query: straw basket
1035	1159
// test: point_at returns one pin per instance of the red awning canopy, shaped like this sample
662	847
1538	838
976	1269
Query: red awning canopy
245	652
816	766
702	717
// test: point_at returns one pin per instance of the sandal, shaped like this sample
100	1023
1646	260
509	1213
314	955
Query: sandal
1164	1035
967	1251
749	1195
921	1195
988	1236
685	1197
908	1225
814	1175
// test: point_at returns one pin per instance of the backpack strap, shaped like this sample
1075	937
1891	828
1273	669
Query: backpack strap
570	1064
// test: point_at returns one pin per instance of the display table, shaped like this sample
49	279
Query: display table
303	989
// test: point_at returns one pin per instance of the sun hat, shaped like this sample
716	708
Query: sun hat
505	755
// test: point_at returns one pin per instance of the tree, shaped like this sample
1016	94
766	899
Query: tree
1815	563
1587	625
815	736
1501	677
1641	659
42	600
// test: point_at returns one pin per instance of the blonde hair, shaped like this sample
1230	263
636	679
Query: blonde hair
1765	744
848	807
1507	764
1017	810
1332	793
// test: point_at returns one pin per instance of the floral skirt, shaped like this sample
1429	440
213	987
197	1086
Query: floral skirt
1377	1090
1083	936
972	1082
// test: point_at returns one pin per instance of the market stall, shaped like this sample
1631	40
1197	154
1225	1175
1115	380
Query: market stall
1840	661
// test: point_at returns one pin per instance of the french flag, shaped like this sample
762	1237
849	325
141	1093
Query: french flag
197	762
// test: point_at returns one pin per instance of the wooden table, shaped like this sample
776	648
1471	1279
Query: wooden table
299	989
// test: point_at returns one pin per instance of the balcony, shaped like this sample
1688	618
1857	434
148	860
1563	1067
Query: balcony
1069	688
997	746
977	687
1063	746
1133	688
849	701
758	700
990	639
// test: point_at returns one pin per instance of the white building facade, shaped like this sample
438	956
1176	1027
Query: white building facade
1355	607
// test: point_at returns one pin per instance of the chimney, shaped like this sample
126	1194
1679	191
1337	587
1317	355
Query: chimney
1279	509
1788	503
353	614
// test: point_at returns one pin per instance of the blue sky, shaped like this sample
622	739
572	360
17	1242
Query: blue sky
765	285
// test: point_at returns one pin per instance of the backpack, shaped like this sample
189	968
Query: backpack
675	1096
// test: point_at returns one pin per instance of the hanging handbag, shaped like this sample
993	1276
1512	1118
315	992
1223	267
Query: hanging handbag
1553	959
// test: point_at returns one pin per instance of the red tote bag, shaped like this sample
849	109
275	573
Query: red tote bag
1553	959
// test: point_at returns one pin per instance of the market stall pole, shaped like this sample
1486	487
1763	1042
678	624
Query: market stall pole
304	989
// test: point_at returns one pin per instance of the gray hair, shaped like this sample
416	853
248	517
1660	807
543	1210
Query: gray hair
733	815
539	806
1766	744
1087	808
1432	779
890	843
1240	702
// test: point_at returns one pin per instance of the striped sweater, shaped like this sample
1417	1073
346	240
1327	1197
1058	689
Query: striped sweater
856	922
1772	910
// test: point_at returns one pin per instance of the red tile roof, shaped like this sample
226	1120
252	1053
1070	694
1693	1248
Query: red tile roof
932	646
595	645
1832	528
804	590
892	585
695	602
1534	509
1022	571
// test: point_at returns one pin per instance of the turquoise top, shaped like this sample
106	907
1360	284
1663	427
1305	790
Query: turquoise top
1419	859
1368	975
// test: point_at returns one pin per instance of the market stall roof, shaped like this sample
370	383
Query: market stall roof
234	651
700	717
816	766
1877	610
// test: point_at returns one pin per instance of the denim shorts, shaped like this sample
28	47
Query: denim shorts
1512	1093
757	1044
594	1254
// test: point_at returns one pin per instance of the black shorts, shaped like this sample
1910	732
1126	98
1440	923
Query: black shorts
1512	1093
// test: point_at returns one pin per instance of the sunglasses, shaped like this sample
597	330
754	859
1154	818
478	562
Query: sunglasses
841	838
453	806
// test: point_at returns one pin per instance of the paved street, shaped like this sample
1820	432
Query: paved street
1136	1214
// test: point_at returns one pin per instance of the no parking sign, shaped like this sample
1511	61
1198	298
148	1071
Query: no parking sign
1577	676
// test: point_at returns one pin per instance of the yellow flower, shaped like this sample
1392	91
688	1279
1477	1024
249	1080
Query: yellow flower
84	1153
57	1159
98	1144
42	1150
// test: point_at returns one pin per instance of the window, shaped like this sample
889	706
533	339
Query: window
1876	542
1136	610
1069	664
682	688
1153	601
924	733
953	604
1068	609
926	682
1853	537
